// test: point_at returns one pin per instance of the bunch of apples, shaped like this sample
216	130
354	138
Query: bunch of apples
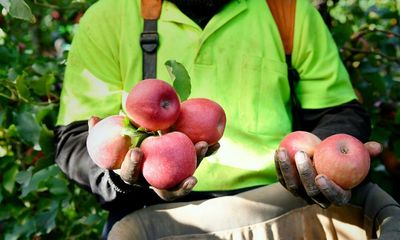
341	157
164	128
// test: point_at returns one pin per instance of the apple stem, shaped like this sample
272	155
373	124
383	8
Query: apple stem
138	139
136	135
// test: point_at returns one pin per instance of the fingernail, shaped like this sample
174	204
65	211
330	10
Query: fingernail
203	151
301	155
189	185
281	154
321	180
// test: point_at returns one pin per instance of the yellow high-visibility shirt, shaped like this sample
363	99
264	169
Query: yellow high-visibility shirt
237	60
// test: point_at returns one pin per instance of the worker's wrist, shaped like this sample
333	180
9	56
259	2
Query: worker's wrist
117	183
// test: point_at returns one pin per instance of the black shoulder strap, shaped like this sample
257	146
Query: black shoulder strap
284	12
150	10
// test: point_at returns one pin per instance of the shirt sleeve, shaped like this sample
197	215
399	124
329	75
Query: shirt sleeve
350	118
73	159
92	83
92	86
324	81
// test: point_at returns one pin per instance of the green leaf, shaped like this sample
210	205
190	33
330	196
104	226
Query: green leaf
9	179
91	219
22	87
39	68
180	78
6	4
28	227
27	127
38	181
47	220
58	186
42	85
24	177
20	10
46	141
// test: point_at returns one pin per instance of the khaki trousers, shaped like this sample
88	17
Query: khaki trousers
269	212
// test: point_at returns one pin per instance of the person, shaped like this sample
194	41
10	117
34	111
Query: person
234	56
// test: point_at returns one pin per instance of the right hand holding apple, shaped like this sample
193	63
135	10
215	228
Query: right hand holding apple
151	145
130	169
131	173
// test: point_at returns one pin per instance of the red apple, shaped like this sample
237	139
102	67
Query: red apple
106	144
152	104
343	159
168	159
201	119
299	141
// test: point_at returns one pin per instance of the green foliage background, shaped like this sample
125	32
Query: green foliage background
38	202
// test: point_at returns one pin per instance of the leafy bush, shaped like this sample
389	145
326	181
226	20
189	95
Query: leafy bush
38	202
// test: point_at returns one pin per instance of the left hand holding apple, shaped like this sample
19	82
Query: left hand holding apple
302	180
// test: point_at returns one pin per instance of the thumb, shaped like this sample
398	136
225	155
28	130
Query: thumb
130	167
374	148
93	121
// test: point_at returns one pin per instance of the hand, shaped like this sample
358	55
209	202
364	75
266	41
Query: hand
302	179
186	186
130	171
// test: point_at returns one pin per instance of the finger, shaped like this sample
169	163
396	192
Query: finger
130	167
332	191
201	150
289	172
307	173
374	148
93	121
278	169
184	188
212	149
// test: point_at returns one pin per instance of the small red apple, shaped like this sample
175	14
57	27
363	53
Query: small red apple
201	119
343	159
106	144
168	159
299	141
55	15
152	104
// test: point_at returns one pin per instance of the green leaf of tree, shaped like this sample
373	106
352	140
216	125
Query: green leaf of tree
27	127
38	180
6	4
46	141
9	178
180	78
22	87
24	177
20	10
47	220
